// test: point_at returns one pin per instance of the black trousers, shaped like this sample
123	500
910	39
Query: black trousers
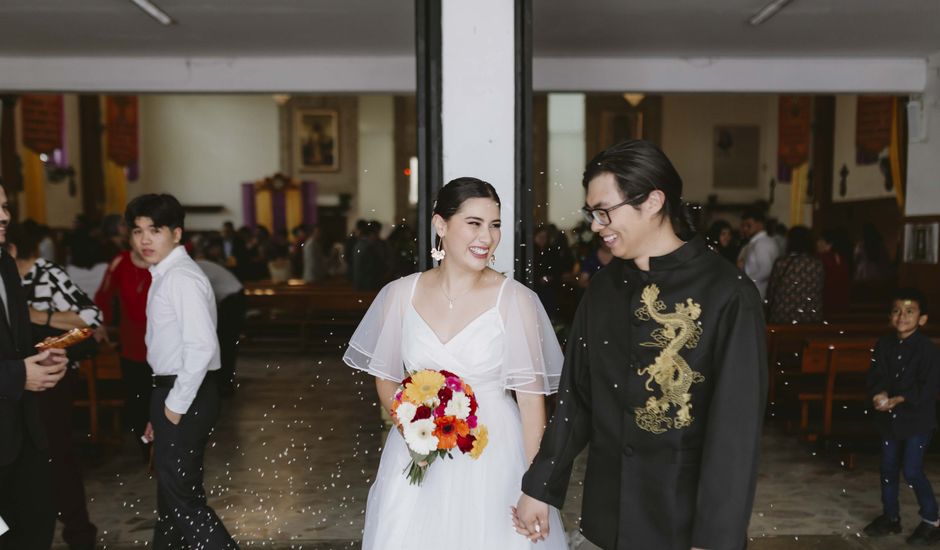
137	379
184	519
231	318
55	406
26	501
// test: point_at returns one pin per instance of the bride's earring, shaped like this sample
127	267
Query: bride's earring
437	254
493	259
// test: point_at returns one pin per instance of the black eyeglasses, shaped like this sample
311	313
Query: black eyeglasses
602	215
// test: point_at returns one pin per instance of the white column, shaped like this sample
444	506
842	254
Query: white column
376	183
565	159
923	162
478	103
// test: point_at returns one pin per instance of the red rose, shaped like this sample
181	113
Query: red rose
406	381
422	413
473	404
448	374
465	444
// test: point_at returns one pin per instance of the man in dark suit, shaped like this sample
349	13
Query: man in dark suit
25	488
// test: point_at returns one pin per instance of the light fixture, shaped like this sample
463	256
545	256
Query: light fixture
633	99
281	99
153	11
768	11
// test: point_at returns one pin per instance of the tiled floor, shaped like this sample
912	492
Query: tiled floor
293	456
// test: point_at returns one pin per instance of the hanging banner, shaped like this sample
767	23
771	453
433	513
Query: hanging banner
42	122
793	133
872	127
122	129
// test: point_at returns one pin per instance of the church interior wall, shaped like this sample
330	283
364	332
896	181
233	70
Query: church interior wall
201	148
863	181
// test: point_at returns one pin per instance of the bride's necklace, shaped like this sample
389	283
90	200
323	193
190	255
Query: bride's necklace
451	300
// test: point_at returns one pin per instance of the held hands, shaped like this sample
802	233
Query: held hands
45	369
530	518
173	417
884	403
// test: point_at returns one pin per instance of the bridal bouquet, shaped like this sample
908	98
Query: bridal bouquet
436	412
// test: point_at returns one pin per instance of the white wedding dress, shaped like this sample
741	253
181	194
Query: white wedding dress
463	504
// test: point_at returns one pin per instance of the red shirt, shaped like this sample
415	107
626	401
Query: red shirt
131	284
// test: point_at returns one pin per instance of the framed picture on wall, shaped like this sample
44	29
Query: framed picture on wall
316	140
736	157
920	242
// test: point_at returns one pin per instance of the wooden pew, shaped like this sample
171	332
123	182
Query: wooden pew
296	310
844	362
785	345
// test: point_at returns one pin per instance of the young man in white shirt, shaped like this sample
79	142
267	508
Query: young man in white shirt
761	251
183	350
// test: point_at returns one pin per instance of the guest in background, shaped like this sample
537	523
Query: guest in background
336	263
403	247
114	232
86	266
299	236
183	349
126	284
759	254
872	262
836	264
795	291
362	226
234	249
597	259
314	261
231	304
721	237
57	305
368	262
902	385
25	474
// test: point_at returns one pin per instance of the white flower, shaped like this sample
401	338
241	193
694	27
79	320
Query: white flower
419	435
405	412
459	406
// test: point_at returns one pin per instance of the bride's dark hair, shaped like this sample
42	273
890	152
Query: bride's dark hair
452	196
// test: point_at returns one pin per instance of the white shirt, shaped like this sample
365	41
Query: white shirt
759	257
87	279
181	321
223	282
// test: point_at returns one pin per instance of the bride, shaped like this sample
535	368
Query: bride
491	331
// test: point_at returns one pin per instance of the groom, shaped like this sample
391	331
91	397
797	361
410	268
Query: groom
665	376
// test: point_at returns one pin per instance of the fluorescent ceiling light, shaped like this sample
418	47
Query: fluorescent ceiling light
153	11
768	11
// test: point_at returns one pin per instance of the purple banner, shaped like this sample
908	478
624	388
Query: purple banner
248	205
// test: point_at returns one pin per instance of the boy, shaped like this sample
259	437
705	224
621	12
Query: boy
902	383
183	350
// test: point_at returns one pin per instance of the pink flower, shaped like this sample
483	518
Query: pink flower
472	421
454	383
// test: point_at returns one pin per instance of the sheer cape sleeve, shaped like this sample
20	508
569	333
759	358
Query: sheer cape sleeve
532	357
375	347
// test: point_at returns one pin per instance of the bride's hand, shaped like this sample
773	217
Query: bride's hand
530	518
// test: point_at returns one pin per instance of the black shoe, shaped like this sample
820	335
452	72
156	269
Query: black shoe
883	525
925	535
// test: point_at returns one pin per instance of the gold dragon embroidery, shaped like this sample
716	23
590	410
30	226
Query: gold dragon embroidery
670	371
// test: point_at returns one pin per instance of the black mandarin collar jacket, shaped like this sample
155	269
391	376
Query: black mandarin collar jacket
665	380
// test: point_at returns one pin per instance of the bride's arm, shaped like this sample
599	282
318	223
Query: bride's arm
386	390
532	408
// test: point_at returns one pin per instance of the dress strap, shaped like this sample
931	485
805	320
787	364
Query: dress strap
502	287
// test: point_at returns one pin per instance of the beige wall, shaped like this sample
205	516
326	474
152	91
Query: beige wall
863	182
375	191
201	148
688	133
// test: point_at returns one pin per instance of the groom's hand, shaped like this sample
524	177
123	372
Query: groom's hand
530	518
